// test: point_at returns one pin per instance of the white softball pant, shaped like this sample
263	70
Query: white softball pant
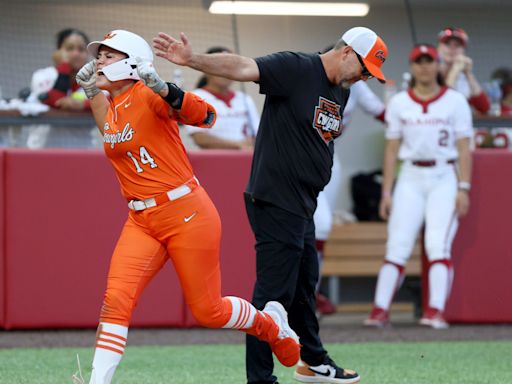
423	194
326	203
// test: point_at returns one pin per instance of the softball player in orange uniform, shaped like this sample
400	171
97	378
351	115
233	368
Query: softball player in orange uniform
171	216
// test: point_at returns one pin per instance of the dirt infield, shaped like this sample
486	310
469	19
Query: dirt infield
334	329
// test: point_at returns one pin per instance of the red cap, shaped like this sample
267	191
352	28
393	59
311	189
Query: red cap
423	50
453	33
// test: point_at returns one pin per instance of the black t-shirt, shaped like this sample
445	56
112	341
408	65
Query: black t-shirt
301	117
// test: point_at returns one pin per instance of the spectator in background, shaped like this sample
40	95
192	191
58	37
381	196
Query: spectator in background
506	100
237	117
457	68
504	76
56	86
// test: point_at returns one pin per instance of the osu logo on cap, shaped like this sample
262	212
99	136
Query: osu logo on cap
380	55
109	36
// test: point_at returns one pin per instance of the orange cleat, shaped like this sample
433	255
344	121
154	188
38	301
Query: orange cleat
286	345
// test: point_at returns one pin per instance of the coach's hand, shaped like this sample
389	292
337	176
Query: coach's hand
86	78
177	52
148	75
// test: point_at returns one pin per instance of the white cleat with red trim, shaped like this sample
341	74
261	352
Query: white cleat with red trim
434	318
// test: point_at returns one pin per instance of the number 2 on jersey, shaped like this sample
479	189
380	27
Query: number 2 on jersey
145	158
443	138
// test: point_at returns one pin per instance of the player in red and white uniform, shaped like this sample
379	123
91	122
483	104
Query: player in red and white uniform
237	118
429	130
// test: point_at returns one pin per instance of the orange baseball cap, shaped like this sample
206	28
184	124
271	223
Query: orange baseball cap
453	33
370	47
423	50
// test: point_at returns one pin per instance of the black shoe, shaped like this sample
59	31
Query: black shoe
328	372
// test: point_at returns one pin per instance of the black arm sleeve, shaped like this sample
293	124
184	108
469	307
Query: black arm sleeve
175	96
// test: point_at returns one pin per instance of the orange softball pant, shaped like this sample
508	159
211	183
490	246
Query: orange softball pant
186	230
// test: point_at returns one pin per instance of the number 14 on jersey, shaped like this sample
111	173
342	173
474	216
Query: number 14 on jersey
145	158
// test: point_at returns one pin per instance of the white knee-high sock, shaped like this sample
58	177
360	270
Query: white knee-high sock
439	281
110	345
389	281
242	314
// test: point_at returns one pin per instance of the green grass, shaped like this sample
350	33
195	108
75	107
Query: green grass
378	363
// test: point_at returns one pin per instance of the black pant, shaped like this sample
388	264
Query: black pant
286	271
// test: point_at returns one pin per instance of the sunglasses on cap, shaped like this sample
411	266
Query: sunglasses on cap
364	71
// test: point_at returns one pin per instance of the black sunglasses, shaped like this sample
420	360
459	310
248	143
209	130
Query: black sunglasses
364	72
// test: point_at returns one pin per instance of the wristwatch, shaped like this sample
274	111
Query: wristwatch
464	186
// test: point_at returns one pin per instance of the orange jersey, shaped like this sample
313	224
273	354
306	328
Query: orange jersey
143	142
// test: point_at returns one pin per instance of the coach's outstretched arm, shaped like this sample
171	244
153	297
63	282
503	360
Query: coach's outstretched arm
228	65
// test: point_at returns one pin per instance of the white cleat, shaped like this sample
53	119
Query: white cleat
434	318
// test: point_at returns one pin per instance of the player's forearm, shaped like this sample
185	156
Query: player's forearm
464	160
99	108
231	66
389	168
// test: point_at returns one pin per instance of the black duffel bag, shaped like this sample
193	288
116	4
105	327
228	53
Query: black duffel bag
366	189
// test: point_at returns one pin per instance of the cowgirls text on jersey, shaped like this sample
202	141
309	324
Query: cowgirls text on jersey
117	137
327	120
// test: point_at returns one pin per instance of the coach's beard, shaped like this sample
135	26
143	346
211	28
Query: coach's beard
345	84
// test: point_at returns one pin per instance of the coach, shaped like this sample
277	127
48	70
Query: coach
293	155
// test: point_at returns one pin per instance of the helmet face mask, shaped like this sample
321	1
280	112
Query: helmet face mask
128	43
121	70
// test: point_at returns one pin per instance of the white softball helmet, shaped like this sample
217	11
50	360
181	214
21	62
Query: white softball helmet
129	43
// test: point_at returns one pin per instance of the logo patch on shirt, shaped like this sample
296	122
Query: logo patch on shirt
327	119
